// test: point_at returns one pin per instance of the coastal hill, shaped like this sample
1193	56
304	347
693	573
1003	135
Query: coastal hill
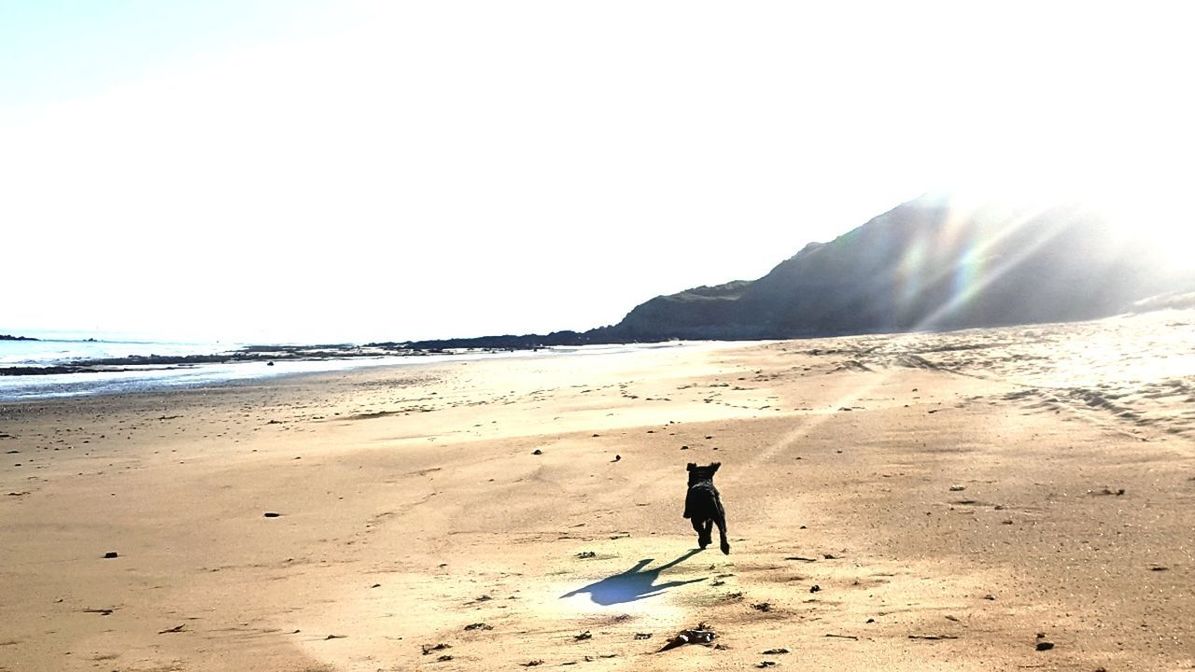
928	264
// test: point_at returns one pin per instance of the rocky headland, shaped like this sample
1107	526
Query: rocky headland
930	264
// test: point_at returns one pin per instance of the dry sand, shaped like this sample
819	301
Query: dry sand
956	498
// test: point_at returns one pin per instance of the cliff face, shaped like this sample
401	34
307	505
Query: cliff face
927	264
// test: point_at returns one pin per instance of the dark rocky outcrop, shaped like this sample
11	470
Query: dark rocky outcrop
512	342
7	337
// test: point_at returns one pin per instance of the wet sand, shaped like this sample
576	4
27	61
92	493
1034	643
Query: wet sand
955	499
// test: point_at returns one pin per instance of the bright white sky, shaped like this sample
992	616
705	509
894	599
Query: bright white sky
309	171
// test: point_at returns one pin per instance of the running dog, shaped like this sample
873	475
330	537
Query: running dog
703	506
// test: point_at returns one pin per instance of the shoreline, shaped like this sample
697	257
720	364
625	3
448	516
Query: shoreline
251	353
486	345
261	364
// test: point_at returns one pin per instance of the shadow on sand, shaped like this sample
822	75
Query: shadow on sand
634	584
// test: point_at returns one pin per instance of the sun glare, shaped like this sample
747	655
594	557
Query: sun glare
1141	218
1149	221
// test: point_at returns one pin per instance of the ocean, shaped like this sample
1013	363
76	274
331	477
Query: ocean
58	352
50	352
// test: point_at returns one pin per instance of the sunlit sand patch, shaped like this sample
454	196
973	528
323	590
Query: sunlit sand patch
1137	369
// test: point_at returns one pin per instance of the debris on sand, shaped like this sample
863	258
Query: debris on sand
957	488
585	555
776	652
643	635
702	635
815	588
111	554
537	451
478	626
177	628
533	663
428	648
766	663
1044	645
271	514
933	638
582	636
762	606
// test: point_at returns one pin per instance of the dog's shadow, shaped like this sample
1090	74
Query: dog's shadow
634	584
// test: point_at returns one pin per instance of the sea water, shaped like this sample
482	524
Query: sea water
147	378
55	352
141	378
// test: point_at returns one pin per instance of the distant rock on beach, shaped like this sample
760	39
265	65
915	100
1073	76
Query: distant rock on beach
7	337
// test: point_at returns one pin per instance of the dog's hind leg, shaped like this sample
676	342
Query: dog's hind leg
721	521
703	538
707	534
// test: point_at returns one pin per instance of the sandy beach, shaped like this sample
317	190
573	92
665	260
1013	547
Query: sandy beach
949	501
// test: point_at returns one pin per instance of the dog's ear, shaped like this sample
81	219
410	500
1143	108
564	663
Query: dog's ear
691	466
714	467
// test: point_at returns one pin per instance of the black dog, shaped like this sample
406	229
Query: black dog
703	506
